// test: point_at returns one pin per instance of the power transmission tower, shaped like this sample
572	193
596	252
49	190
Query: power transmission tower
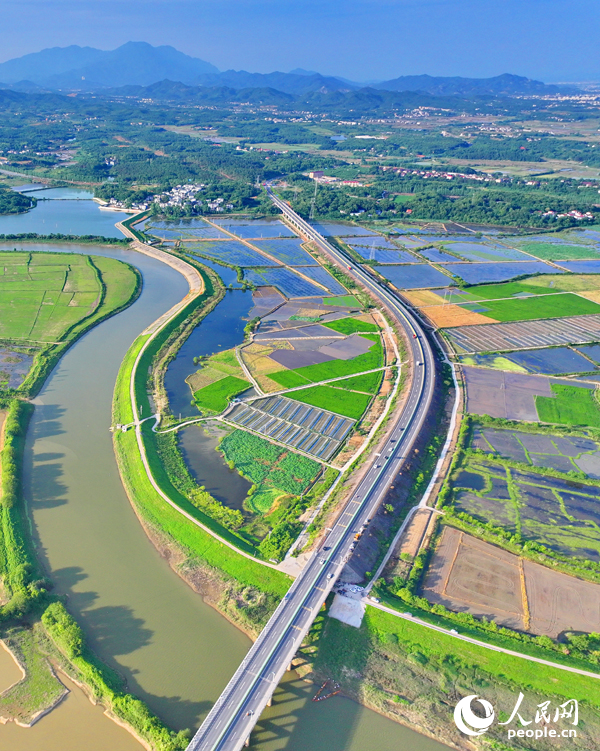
311	216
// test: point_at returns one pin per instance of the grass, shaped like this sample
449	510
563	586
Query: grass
216	396
333	368
40	689
570	405
547	306
350	326
347	403
348	301
369	382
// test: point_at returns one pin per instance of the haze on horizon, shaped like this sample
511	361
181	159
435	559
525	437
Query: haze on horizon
551	40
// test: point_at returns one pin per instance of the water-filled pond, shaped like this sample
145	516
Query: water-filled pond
223	328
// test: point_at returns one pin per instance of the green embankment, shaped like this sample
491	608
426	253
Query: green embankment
105	686
571	405
198	544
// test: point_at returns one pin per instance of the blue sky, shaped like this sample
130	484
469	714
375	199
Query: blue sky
554	40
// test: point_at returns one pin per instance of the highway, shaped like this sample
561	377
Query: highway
228	725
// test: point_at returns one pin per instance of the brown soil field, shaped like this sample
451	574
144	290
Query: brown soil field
466	574
423	297
469	575
558	602
448	316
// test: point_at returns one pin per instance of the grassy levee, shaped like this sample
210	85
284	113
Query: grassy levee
105	686
18	565
120	284
415	676
152	508
128	224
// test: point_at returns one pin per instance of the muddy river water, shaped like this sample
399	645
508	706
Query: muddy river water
173	650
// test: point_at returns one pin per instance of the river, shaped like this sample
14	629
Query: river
174	651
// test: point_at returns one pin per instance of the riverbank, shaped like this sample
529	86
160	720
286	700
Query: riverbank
33	624
416	677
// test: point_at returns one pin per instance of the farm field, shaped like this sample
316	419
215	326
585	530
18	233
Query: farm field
561	514
468	575
215	396
43	295
543	306
475	273
291	284
333	368
384	254
230	251
564	453
369	383
415	276
313	431
288	251
548	251
350	326
501	337
268	466
569	405
477	251
342	402
582	267
550	361
511	396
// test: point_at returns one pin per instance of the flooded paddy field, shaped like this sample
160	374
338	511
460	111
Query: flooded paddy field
550	361
561	514
415	276
475	273
564	453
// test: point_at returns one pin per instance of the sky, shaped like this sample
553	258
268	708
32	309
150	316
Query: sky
363	40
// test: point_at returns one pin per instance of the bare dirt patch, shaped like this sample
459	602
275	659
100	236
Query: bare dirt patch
469	575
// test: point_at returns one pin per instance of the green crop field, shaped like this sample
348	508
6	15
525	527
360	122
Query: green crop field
268	466
559	252
570	406
369	383
332	369
347	403
348	301
547	306
350	326
216	396
42	295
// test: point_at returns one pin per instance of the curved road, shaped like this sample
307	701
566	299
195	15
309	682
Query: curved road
229	723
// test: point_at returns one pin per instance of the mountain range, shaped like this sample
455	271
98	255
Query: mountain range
140	64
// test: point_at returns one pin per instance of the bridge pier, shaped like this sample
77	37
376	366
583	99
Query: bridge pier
247	743
270	702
